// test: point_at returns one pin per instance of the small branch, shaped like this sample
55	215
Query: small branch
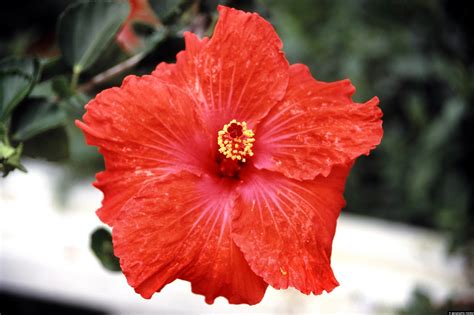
111	73
76	72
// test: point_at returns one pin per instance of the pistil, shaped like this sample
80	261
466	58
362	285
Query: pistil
235	141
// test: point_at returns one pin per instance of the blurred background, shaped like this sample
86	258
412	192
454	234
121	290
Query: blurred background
405	241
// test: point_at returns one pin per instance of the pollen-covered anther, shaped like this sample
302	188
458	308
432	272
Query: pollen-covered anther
235	140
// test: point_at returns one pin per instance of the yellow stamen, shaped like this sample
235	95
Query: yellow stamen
235	140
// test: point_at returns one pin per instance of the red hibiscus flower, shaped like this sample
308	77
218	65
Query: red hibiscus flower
227	169
140	11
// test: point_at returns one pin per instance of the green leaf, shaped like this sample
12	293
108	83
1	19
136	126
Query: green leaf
74	105
112	55
52	145
37	117
6	151
85	29
43	90
155	40
143	29
10	158
57	87
53	66
17	77
164	49
60	86
101	245
168	10
27	66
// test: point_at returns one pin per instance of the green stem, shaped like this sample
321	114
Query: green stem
76	71
4	134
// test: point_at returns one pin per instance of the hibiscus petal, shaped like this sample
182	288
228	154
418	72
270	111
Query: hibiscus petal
180	228
139	129
285	227
118	187
316	126
240	73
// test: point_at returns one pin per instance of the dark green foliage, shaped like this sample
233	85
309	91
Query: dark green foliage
416	56
421	304
38	115
86	28
168	11
17	78
101	245
51	145
10	158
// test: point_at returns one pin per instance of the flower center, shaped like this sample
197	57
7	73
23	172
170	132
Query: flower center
235	140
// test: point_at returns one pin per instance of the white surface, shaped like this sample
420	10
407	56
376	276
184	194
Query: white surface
44	252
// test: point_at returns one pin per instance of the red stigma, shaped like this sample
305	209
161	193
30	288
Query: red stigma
235	130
